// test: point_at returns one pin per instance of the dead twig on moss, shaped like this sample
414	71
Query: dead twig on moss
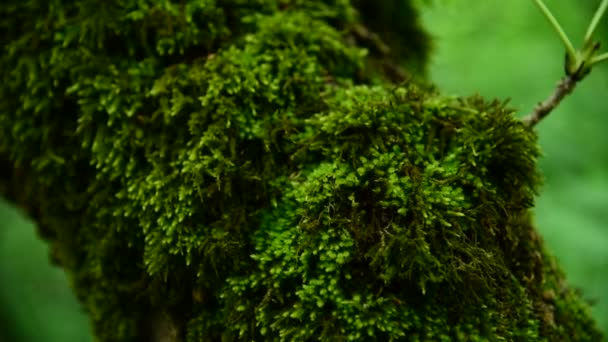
392	69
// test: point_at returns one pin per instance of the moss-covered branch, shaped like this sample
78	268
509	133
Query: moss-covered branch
238	170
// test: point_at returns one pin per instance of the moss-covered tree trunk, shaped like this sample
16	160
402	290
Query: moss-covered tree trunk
271	170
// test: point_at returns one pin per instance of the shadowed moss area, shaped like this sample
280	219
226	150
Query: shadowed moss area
240	170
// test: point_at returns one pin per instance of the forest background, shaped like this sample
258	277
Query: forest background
499	49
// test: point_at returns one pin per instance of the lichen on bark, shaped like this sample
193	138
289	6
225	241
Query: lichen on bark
247	170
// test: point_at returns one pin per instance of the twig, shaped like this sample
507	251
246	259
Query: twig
374	39
392	69
564	87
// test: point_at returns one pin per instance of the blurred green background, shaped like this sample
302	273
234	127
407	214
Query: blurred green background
500	49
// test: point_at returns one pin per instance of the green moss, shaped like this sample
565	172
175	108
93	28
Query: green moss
226	170
380	237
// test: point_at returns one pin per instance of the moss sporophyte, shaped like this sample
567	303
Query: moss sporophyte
272	170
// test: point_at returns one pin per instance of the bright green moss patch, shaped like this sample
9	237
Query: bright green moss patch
225	170
380	236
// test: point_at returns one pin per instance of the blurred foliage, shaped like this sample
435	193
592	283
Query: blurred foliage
498	49
36	303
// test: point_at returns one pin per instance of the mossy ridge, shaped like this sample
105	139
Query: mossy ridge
363	247
387	179
137	152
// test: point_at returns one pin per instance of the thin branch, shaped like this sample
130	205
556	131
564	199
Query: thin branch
392	69
365	34
564	87
557	27
599	13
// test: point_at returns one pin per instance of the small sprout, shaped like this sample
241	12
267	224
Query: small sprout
578	63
